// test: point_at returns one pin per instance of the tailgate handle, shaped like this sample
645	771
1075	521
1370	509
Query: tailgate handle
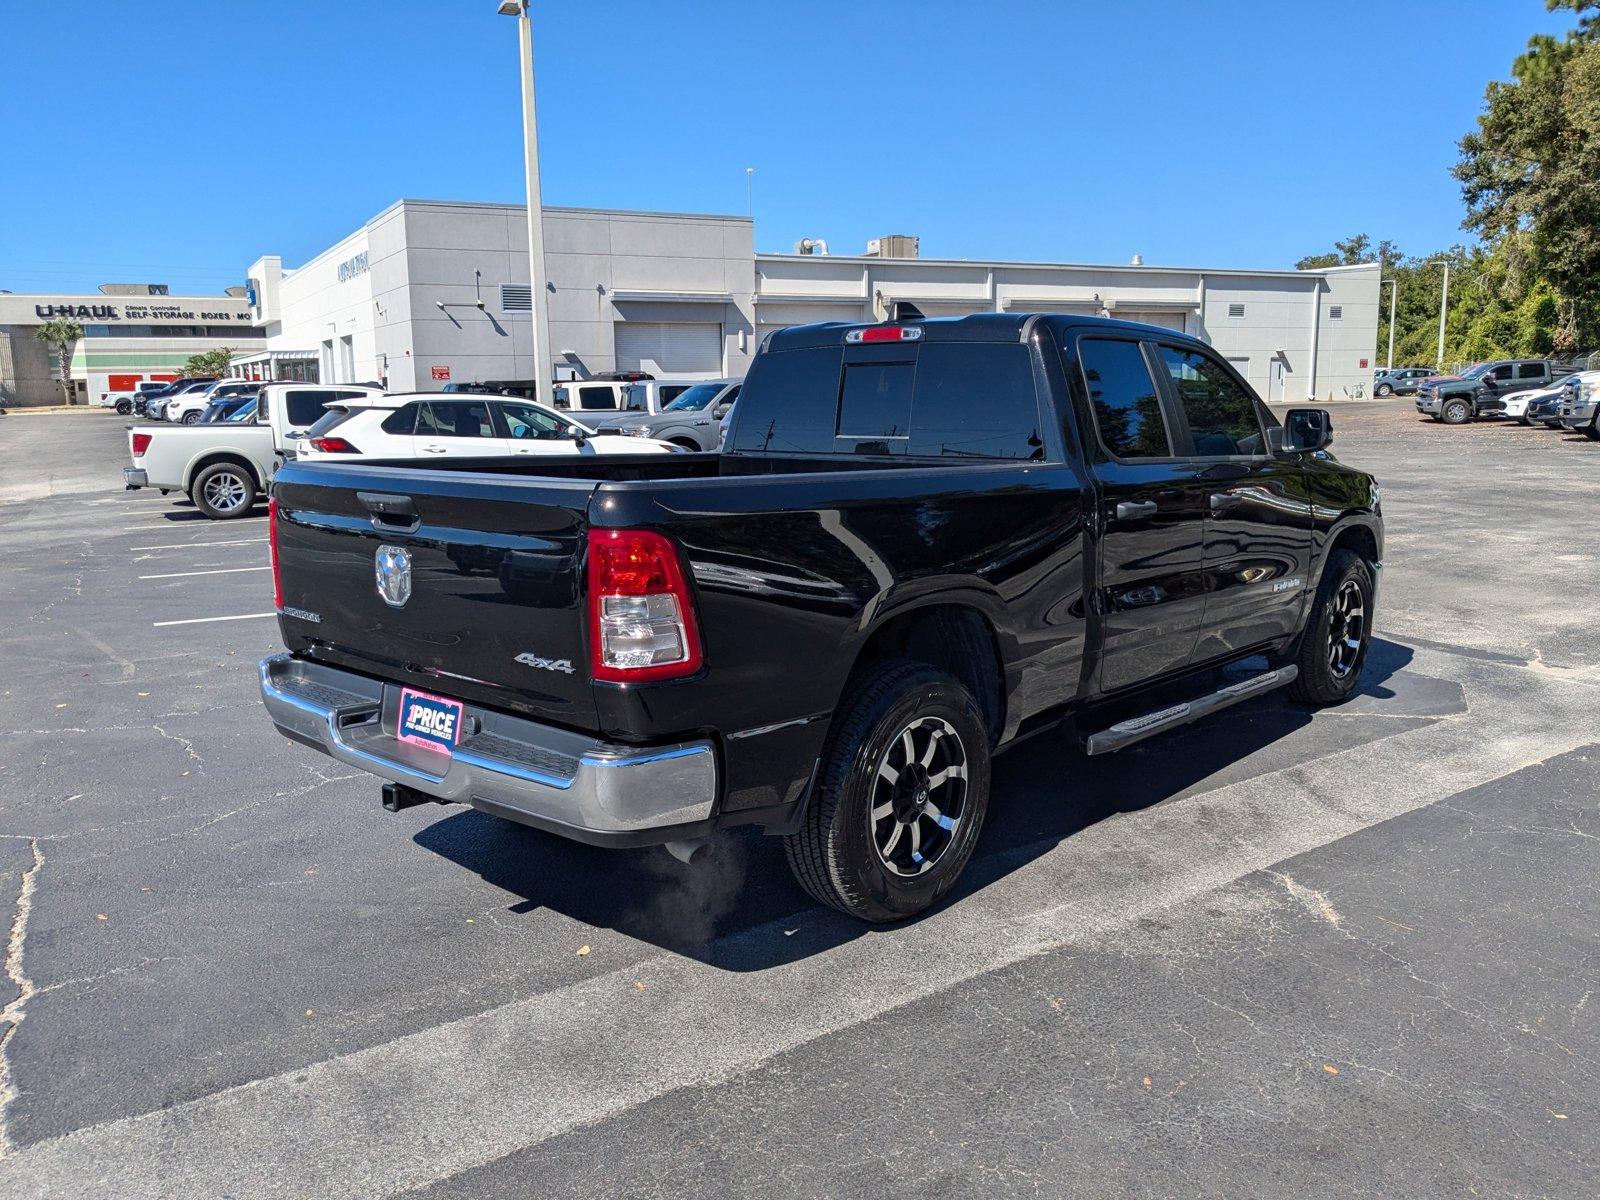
390	511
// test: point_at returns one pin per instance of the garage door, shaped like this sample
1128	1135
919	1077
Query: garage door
1165	318
675	348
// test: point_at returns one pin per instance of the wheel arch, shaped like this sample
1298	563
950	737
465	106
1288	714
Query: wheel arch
956	632
212	457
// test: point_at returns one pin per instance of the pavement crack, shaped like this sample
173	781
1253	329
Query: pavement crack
14	1012
188	746
1315	902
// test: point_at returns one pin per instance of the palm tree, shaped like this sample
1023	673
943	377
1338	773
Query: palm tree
63	335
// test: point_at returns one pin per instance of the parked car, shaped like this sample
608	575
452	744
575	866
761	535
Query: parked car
1400	381
186	408
692	420
162	403
924	541
1580	404
221	410
1515	405
635	395
122	400
429	425
524	389
225	467
1478	391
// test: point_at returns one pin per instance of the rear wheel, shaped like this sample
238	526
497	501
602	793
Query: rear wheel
223	491
901	796
124	407
1333	646
1455	412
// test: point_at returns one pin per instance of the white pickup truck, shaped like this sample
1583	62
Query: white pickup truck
224	466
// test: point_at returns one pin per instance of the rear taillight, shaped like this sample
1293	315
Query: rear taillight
141	443
333	445
642	623
272	551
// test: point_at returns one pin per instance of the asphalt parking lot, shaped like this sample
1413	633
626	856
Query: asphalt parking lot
1273	954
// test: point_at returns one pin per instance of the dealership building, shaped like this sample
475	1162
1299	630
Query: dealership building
429	292
131	332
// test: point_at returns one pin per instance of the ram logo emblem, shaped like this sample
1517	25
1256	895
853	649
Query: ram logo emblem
393	568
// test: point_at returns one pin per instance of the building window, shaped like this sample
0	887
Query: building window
347	359
1236	310
1336	313
516	297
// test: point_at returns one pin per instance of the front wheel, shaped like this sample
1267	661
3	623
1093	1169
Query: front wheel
1383	389
1592	429
223	491
901	796
191	418
1455	412
1333	646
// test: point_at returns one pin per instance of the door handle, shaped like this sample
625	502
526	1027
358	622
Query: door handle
434	450
1223	500
1132	510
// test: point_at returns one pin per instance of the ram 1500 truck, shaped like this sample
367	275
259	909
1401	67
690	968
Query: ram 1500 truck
1479	391
925	540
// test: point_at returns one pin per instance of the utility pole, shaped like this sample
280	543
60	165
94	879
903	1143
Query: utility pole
1444	301
542	369
1394	294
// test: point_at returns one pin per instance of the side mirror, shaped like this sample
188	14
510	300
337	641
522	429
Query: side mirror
1306	429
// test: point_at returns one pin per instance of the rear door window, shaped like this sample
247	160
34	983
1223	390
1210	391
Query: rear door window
459	418
1127	407
975	401
1531	370
1222	416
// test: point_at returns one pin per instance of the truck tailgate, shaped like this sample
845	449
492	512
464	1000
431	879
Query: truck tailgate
494	612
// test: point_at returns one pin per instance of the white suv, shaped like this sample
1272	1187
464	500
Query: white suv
426	425
186	409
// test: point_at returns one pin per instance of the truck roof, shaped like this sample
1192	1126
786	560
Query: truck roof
974	327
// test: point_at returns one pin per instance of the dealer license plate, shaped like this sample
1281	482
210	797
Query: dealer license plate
431	722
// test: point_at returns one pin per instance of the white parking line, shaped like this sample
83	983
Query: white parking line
197	545
221	571
208	620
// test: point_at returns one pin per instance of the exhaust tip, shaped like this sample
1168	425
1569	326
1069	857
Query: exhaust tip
689	850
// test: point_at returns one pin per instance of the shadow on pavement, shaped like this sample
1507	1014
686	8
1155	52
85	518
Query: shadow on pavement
742	911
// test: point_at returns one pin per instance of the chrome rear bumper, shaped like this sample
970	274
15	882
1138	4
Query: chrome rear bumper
557	780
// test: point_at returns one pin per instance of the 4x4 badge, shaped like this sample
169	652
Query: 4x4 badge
564	665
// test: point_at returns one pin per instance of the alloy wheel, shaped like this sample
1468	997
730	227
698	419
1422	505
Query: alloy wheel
1347	626
225	492
919	796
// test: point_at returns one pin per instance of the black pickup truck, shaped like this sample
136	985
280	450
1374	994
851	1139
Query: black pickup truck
925	540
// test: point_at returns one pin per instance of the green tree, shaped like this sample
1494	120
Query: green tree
62	335
1530	172
212	362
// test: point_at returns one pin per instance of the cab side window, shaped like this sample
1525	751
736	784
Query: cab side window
1222	416
304	405
1127	407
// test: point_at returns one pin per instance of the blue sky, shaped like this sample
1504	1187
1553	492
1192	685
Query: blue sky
177	141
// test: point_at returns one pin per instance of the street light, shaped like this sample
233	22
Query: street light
1444	299
542	369
1394	292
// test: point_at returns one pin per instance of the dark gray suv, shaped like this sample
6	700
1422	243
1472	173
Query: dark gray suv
1400	381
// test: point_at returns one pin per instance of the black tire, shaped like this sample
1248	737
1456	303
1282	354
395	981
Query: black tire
693	447
1456	412
124	408
223	491
1329	673
1383	389
191	418
841	855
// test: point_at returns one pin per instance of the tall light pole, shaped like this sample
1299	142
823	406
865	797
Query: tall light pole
1444	300
542	369
1394	293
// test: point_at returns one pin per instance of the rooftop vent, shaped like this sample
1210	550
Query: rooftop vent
133	289
894	245
811	246
1136	261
